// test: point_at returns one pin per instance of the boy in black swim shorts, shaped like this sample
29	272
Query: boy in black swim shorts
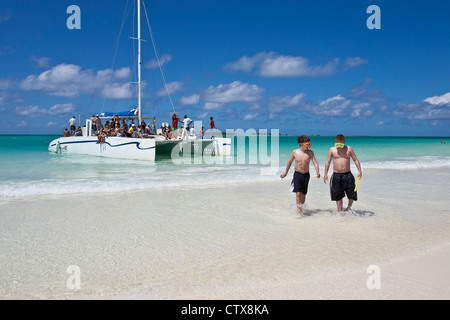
300	181
342	182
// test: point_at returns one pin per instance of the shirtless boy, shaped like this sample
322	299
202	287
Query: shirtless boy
342	181
302	157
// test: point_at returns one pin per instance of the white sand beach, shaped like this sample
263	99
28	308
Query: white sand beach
235	241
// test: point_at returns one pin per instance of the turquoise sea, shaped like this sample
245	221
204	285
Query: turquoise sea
161	230
28	168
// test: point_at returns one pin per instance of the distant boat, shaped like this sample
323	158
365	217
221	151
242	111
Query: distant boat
146	148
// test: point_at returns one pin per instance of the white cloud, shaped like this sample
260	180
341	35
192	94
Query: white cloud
334	106
153	64
212	105
193	99
280	103
251	116
69	80
354	62
288	66
172	87
30	111
245	63
432	108
203	115
117	91
22	124
439	100
62	109
233	92
36	111
51	124
42	62
271	64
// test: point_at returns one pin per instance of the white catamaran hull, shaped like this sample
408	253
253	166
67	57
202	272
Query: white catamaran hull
113	147
139	148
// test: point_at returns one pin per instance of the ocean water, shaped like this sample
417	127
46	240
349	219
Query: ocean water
28	169
159	230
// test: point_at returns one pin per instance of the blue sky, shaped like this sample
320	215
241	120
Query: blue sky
303	67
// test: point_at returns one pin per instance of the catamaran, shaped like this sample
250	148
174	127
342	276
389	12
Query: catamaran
139	148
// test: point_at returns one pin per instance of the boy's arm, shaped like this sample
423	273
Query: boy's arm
327	166
316	165
291	159
356	161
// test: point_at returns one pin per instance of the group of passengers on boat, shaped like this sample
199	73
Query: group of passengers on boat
118	127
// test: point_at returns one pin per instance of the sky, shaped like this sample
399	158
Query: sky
302	67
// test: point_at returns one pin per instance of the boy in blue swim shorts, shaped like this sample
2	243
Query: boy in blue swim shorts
342	182
300	181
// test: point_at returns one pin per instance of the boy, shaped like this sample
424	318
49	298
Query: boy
342	181
302	157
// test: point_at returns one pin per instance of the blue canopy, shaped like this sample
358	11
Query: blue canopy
130	113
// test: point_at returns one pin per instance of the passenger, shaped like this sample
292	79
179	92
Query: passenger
72	123
98	122
101	137
66	133
94	123
180	132
117	129
120	133
186	123
107	129
175	120
133	131
202	133
78	132
211	126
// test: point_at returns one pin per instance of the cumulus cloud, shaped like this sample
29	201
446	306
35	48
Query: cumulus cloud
233	92
42	62
432	108
62	109
193	99
280	103
36	111
212	105
172	87
352	62
116	91
30	111
153	64
69	80
272	64
251	116
439	100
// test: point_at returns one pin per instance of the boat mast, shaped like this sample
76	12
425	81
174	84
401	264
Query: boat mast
139	60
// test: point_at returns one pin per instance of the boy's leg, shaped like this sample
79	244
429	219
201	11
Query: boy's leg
350	202
300	199
339	205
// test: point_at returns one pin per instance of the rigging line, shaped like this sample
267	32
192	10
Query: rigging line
157	57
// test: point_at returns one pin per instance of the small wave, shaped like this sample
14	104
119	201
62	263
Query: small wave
122	183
